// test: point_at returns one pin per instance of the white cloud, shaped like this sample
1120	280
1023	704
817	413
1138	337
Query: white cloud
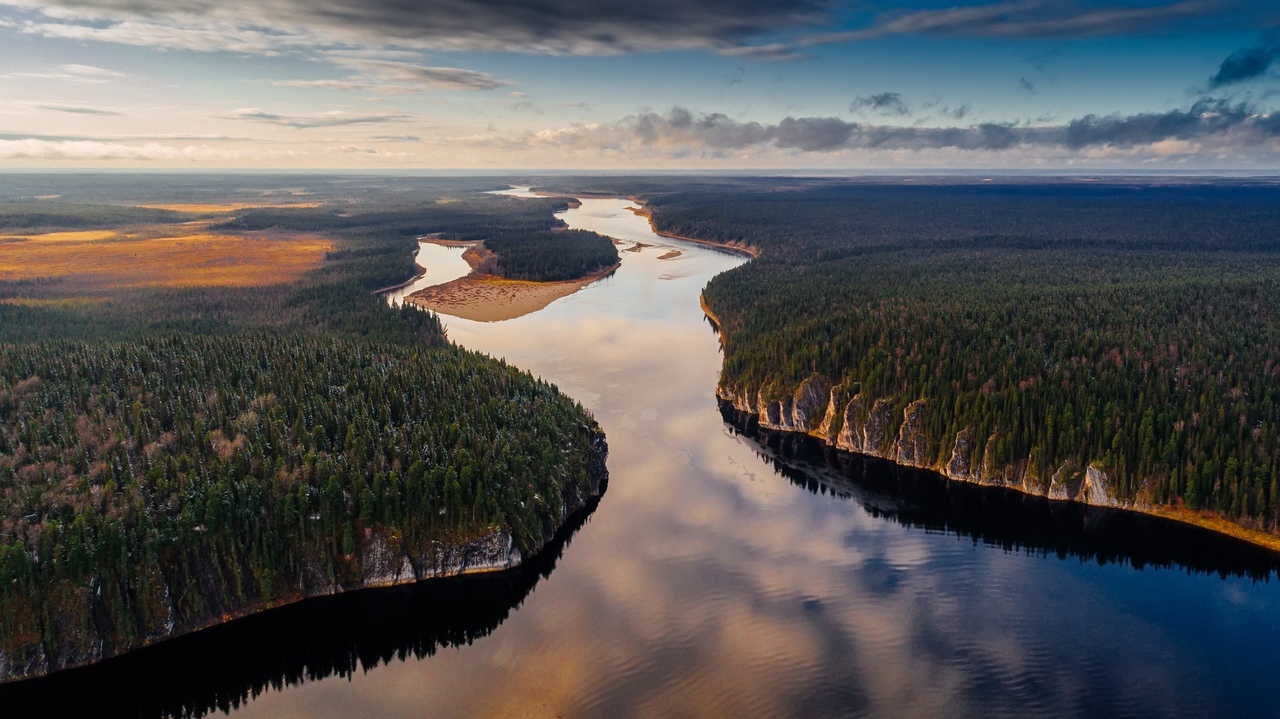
34	149
333	118
71	72
395	77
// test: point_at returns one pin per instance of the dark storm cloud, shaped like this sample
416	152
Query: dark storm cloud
885	103
681	130
1248	63
551	26
730	27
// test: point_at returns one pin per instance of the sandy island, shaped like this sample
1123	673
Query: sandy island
483	297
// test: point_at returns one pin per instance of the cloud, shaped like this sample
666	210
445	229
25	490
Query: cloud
77	110
333	118
396	138
1044	18
120	138
739	28
531	26
35	149
1206	118
1247	63
73	73
423	78
188	33
680	132
1017	19
393	77
885	103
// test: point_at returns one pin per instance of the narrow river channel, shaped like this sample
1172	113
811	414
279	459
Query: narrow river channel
709	583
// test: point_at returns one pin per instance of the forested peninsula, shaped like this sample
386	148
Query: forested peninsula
1114	344
172	457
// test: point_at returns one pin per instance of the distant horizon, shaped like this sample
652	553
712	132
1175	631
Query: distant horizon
799	173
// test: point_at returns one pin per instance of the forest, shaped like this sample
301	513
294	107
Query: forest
549	256
1131	327
527	242
170	457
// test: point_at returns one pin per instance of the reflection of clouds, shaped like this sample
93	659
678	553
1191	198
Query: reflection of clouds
693	591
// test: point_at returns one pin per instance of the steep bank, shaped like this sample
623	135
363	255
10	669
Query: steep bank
826	411
381	563
154	488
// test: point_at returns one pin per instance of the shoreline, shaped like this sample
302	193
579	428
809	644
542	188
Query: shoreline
482	297
739	248
517	565
514	561
1202	519
455	565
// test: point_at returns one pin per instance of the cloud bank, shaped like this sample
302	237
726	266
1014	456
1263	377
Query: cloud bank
536	26
588	27
680	132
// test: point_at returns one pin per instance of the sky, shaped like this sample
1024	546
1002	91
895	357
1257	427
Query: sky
710	85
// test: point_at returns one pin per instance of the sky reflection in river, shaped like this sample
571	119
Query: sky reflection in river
708	585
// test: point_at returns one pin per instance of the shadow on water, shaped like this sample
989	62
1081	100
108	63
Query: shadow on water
229	664
1002	517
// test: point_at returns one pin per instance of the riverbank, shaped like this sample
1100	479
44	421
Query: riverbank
384	566
1089	486
646	212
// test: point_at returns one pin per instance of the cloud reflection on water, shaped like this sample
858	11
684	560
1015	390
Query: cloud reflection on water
707	584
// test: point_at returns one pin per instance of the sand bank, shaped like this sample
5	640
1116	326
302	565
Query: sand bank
488	298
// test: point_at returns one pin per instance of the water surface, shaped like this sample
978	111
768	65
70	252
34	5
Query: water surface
437	264
726	575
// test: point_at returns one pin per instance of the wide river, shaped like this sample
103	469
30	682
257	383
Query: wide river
722	578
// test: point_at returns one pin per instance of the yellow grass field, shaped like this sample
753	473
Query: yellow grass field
108	260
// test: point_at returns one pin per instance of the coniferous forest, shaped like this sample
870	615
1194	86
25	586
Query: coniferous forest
1131	327
549	256
171	457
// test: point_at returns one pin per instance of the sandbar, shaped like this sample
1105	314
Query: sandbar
488	298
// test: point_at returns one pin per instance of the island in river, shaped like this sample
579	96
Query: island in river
486	297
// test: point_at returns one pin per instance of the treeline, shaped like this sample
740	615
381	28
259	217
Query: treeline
161	482
45	216
526	239
549	256
1135	329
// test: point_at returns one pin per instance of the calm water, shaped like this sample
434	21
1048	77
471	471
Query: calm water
726	575
438	265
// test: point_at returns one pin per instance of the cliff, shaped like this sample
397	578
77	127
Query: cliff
381	559
876	428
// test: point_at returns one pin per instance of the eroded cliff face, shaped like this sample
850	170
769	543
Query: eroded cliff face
886	429
380	560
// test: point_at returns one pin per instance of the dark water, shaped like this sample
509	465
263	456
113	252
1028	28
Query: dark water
738	574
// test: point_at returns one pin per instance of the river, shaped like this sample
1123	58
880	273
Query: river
734	575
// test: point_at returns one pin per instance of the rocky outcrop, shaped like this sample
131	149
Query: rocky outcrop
872	427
